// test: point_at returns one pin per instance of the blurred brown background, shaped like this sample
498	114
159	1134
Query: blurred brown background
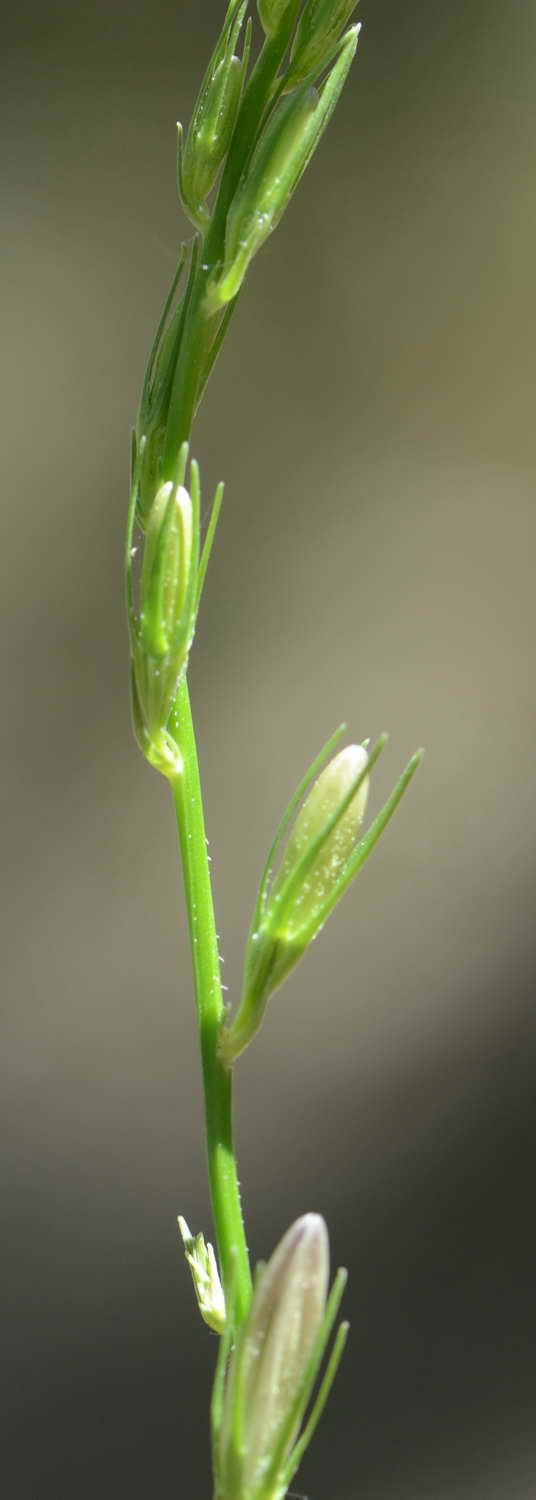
373	416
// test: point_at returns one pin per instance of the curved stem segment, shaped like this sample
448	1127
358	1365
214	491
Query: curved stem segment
186	786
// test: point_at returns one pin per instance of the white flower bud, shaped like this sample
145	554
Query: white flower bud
269	1366
322	855
327	794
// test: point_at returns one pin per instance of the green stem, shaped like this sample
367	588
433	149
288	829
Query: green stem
222	1171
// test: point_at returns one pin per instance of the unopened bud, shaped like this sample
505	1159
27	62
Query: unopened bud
209	137
263	196
327	795
274	1364
277	164
163	627
157	746
166	569
213	120
314	872
322	855
320	25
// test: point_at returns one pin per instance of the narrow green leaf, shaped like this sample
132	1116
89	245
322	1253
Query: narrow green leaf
209	539
316	1413
299	1405
224	1351
215	348
163	321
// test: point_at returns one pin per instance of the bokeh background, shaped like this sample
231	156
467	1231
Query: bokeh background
373	416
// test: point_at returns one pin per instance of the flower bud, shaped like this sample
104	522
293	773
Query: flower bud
293	907
265	191
166	567
323	853
277	164
209	137
272	13
163	628
274	1364
213	120
326	796
158	746
319	28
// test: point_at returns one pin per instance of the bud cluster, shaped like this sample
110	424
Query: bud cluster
277	164
284	133
283	139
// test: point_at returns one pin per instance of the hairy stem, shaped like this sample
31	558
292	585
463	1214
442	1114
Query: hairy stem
186	786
